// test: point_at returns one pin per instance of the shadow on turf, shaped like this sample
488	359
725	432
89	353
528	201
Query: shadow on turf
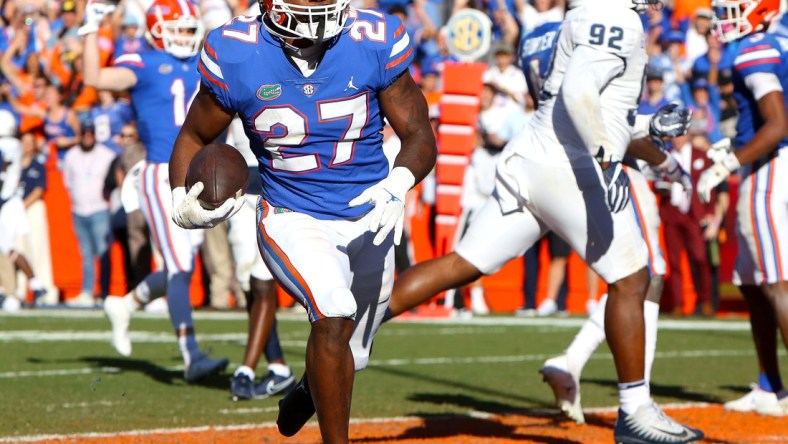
436	426
448	426
461	386
159	374
662	391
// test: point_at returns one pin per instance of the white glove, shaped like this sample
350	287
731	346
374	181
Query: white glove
188	213
388	199
719	150
94	12
673	172
714	176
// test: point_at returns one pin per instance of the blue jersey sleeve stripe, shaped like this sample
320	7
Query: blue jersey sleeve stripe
770	53
400	45
129	59
210	65
209	77
399	30
401	59
775	61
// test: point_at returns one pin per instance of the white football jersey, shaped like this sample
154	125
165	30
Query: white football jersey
609	31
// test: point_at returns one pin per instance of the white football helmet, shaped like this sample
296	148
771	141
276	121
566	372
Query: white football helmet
637	5
175	27
312	22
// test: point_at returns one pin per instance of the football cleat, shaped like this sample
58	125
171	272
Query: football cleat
273	384
756	399
649	424
295	409
38	297
566	387
779	408
119	315
241	387
202	367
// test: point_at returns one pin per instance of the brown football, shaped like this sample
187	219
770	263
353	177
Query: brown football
223	172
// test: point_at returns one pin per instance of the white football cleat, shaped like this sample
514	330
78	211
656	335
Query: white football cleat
119	315
780	408
566	387
756	399
649	424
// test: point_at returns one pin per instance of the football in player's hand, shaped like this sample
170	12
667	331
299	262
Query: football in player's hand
223	172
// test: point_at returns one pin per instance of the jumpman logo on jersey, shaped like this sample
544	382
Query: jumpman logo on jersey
350	84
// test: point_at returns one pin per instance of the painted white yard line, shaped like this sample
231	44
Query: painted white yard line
58	372
105	335
361	421
248	410
290	316
684	354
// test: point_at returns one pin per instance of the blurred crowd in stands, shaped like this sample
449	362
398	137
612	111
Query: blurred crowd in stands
91	139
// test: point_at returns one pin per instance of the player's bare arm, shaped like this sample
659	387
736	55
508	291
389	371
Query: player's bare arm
404	106
774	129
112	78
645	150
204	123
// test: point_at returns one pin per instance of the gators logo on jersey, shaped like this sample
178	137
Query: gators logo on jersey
269	92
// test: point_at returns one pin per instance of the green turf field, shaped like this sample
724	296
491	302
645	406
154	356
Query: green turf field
58	373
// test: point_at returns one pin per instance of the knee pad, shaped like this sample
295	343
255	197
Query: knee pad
360	359
339	303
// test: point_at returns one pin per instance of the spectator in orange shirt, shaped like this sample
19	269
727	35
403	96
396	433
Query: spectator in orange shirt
61	125
28	82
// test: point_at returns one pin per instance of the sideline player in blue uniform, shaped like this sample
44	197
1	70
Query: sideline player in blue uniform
312	82
760	78
162	83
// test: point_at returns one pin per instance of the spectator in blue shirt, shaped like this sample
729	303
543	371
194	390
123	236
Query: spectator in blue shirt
654	97
703	98
109	117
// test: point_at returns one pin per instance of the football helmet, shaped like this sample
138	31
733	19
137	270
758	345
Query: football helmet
175	27
637	5
289	20
734	19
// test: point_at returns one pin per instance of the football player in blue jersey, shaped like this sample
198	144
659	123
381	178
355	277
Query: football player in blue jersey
162	82
760	78
312	81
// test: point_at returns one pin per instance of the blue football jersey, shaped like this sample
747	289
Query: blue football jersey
317	139
536	49
166	86
109	121
757	53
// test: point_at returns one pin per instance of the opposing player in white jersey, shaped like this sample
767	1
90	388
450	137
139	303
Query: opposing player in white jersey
562	372
563	172
760	78
162	80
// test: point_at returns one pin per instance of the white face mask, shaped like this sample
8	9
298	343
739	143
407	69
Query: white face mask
315	23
